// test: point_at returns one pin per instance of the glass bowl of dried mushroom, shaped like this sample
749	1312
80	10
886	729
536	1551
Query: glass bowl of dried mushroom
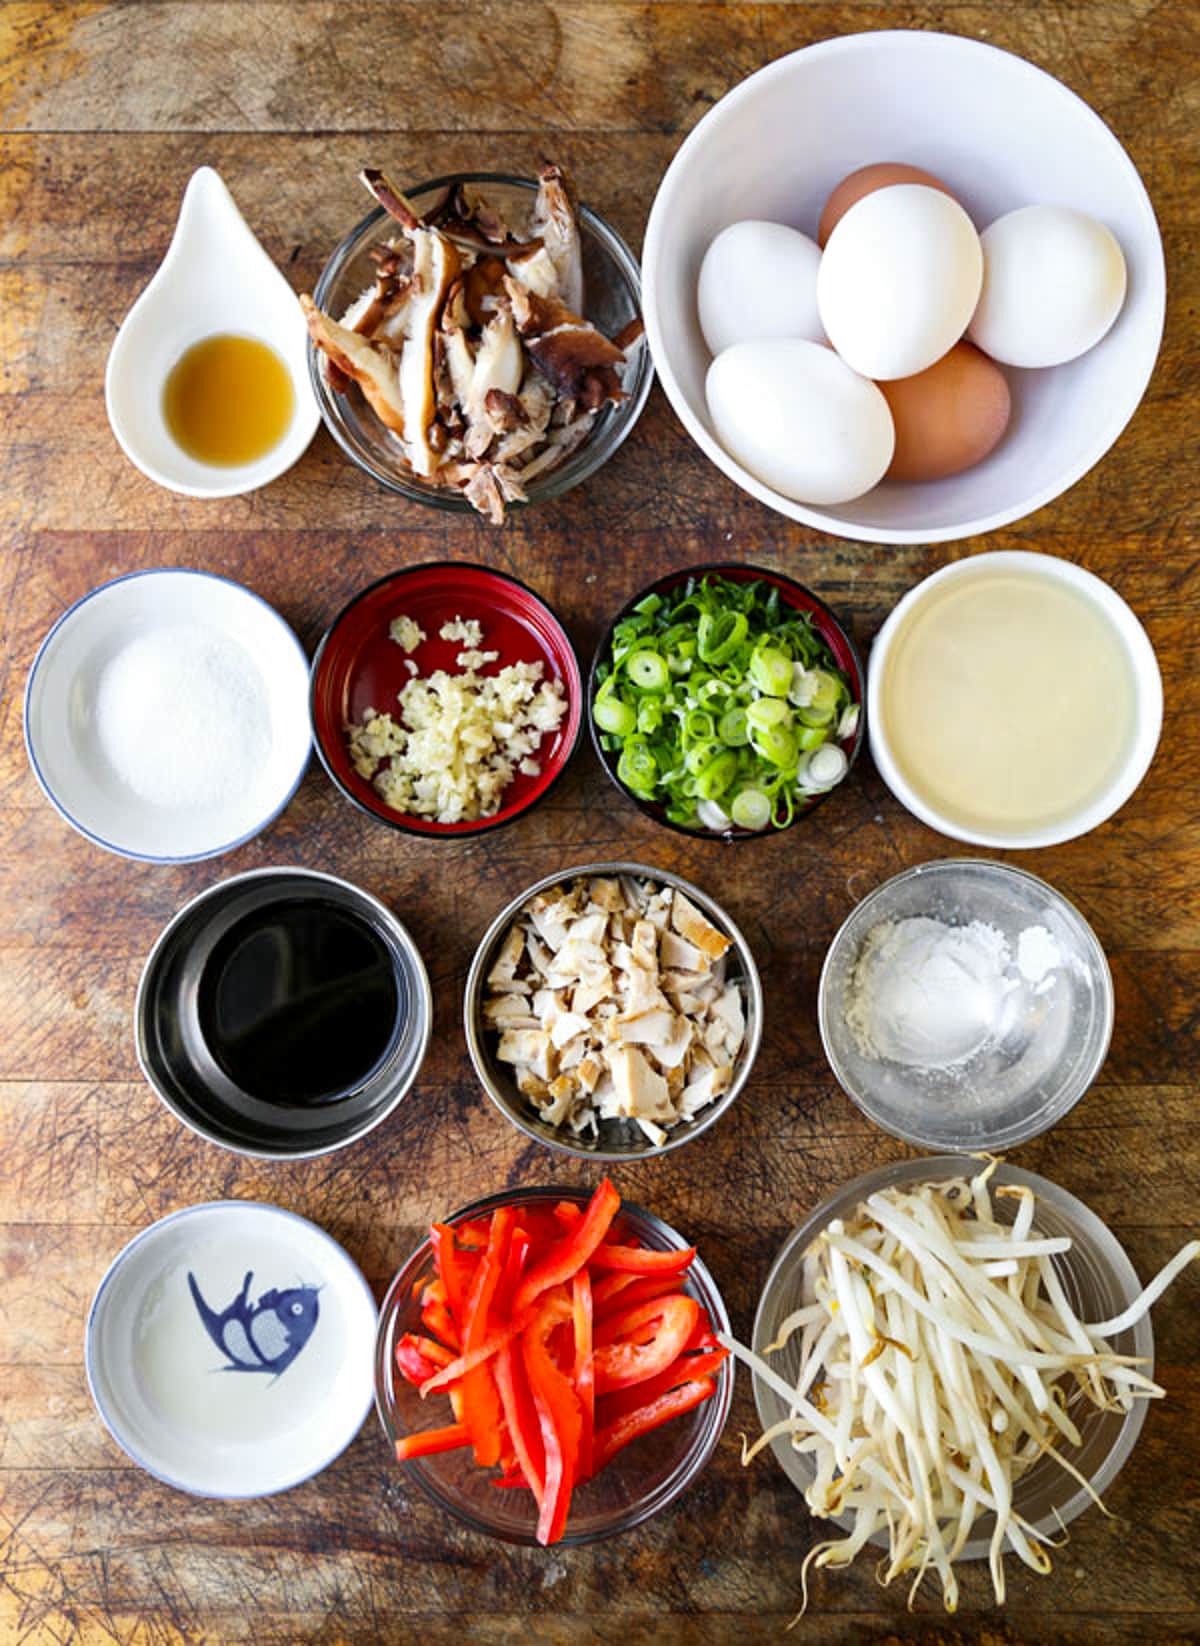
613	1011
476	341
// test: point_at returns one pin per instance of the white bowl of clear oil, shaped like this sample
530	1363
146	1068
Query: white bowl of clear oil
207	385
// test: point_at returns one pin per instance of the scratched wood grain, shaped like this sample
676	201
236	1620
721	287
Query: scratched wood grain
105	110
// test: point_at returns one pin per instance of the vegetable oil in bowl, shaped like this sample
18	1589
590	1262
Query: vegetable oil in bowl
1008	696
228	400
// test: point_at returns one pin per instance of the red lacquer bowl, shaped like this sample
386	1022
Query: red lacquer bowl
357	666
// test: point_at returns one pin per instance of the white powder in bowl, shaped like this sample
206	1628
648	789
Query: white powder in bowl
927	994
181	717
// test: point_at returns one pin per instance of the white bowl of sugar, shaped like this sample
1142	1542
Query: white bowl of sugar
166	715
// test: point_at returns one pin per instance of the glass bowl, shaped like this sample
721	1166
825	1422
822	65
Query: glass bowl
1054	1038
643	1478
1099	1282
618	1140
613	297
798	598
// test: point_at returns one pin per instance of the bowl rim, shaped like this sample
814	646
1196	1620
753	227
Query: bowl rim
1148	696
716	1408
481	1059
658	233
39	662
1070	1208
564	476
90	1347
416	976
933	870
450	832
738	571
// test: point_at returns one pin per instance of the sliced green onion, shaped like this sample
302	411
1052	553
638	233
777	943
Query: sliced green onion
648	671
699	755
766	712
697	724
811	737
826	766
777	744
771	669
815	715
713	779
848	725
712	816
732	728
637	767
650	715
613	714
751	809
721	633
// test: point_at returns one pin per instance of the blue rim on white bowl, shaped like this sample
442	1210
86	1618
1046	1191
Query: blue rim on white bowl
72	774
227	1381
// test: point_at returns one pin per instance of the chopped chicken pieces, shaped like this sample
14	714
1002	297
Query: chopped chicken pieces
470	344
611	1001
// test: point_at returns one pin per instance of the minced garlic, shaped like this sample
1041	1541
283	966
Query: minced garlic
461	738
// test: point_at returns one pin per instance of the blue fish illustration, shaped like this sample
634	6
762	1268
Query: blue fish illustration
260	1337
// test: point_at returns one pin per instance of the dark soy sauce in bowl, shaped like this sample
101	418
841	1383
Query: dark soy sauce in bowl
298	1002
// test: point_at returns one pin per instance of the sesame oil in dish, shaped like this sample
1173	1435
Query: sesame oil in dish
228	400
1008	700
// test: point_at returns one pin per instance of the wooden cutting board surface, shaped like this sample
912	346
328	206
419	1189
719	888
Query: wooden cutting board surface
106	109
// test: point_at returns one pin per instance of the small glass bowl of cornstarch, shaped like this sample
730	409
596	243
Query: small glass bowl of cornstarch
965	1005
166	715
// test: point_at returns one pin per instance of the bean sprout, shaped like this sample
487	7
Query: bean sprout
938	1350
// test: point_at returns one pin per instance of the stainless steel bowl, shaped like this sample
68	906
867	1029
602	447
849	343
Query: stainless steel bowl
1099	1281
618	1140
179	1064
1054	1041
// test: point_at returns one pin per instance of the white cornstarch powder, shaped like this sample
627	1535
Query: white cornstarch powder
181	717
931	995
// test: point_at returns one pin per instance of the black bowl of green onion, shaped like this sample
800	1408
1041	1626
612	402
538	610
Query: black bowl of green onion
726	699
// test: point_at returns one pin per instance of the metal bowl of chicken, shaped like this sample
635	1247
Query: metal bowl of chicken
613	1011
517	399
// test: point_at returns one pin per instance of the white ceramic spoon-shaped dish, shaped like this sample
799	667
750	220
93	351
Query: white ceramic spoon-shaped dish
215	278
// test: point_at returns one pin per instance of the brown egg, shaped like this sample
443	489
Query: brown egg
947	417
865	181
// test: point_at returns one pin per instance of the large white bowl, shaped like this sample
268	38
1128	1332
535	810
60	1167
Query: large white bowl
1001	133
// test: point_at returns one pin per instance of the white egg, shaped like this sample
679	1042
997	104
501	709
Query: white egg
797	417
758	280
1053	283
899	280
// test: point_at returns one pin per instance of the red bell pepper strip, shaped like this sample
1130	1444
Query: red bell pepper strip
436	1317
481	1403
452	1270
457	1369
621	1359
514	1267
640	1260
584	1371
608	1288
418	1358
559	1414
637	1289
613	1436
569	1254
569	1213
429	1441
686	1369
521	1416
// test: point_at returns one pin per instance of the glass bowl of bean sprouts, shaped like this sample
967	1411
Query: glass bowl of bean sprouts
1056	1265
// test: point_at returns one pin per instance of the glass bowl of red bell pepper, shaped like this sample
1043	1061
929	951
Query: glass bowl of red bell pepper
565	1340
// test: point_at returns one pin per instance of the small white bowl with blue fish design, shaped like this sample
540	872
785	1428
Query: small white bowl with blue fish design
229	1350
